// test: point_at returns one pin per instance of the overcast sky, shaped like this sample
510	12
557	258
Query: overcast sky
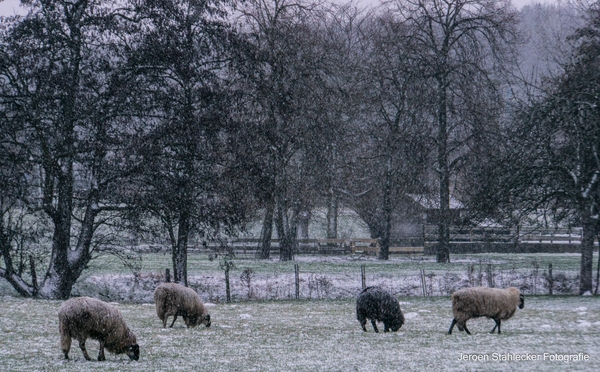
9	7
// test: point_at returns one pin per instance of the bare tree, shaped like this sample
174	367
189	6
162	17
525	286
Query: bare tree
339	104
561	132
393	146
189	173
284	75
60	81
459	42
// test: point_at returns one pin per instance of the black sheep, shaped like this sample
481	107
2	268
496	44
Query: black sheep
378	305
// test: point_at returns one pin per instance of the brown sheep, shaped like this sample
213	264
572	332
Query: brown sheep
175	299
497	304
84	317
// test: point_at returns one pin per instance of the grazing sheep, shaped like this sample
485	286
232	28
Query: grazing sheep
176	299
378	305
84	317
494	303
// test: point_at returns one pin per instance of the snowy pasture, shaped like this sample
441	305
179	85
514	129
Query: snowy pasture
316	335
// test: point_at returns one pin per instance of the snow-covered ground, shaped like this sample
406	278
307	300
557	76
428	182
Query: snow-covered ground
317	335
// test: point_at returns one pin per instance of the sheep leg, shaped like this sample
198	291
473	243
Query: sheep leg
466	329
374	326
174	319
498	321
452	326
83	350
66	345
363	324
101	356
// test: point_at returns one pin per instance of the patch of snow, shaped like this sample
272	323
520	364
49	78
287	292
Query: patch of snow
587	293
424	311
411	315
581	308
584	323
246	316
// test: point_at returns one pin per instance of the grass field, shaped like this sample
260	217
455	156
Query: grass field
317	335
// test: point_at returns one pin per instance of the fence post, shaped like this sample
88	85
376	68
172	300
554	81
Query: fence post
550	279
423	284
167	276
363	276
297	272
490	276
227	287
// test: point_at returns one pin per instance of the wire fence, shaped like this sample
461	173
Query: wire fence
305	283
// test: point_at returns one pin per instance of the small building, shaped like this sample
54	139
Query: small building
430	209
415	211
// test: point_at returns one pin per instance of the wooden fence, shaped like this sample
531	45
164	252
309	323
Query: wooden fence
506	235
411	245
354	246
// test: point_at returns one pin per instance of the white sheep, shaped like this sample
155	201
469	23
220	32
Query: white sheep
497	304
84	317
175	299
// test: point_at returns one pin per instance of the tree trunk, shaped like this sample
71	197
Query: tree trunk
286	231
587	253
58	280
384	249
597	267
287	246
303	222
66	264
180	254
597	237
267	232
332	215
443	248
8	273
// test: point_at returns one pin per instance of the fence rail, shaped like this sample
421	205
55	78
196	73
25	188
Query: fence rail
505	235
318	246
250	246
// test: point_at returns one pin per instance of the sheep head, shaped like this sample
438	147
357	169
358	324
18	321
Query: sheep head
192	321
521	301
133	352
396	324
